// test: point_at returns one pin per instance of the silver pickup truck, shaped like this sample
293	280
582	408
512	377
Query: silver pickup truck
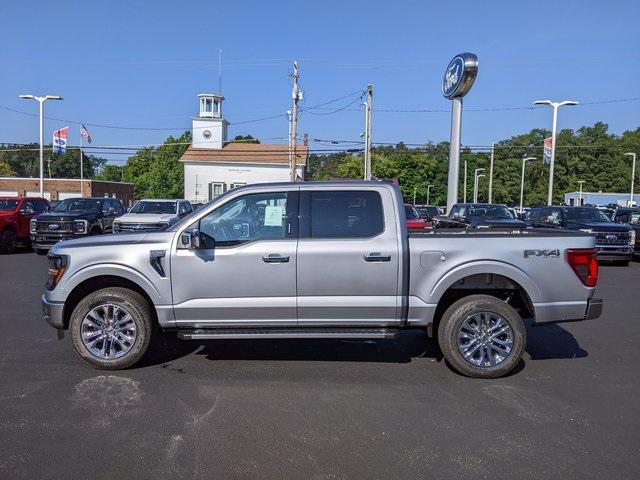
317	260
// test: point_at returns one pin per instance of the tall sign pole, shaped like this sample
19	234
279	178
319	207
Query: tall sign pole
458	80
491	175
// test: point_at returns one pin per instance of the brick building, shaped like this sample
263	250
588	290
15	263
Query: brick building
61	188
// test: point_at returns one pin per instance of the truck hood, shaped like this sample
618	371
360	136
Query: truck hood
599	227
148	217
66	216
113	239
496	222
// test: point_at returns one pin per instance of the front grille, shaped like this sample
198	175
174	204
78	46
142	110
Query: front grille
612	238
51	226
139	227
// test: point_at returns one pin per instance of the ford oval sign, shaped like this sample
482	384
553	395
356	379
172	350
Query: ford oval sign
460	75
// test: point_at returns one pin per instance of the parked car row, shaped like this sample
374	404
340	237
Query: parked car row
616	238
37	222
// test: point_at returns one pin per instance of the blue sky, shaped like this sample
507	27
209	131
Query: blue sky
141	64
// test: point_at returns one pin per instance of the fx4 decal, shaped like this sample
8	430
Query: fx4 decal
542	253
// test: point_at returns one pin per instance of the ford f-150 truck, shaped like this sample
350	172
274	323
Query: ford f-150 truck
479	215
317	260
15	215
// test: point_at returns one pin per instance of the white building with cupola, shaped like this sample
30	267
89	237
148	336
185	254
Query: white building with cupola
213	164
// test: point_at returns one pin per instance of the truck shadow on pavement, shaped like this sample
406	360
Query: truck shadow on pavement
543	343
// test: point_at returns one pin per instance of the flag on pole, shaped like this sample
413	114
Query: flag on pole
85	133
547	150
60	140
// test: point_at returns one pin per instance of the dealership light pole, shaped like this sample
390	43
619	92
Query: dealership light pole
458	80
429	193
555	106
475	192
524	161
633	174
464	191
580	193
475	183
41	101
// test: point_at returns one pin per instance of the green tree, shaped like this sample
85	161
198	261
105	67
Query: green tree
111	173
6	170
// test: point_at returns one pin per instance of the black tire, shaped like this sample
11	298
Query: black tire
41	251
458	313
95	231
131	301
8	241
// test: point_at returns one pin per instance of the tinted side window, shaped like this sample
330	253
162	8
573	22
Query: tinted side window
41	206
345	214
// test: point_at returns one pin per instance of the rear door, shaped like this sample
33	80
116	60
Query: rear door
348	258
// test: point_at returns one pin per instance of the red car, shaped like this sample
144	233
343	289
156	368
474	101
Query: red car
414	220
15	215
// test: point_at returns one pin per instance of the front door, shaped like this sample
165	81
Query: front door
348	258
245	272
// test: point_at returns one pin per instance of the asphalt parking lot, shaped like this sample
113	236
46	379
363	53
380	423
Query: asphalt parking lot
319	409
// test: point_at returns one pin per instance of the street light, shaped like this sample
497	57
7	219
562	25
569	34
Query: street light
475	183
428	193
524	161
475	192
580	194
633	174
464	195
555	106
41	101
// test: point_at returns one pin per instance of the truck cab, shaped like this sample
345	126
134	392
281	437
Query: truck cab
15	215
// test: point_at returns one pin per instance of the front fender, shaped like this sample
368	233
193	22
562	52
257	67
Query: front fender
110	269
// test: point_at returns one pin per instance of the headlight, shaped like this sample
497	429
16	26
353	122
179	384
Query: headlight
632	237
57	266
80	226
33	228
116	227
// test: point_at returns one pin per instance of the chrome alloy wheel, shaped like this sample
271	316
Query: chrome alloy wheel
485	339
108	331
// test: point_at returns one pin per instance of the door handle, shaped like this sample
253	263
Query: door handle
275	258
377	257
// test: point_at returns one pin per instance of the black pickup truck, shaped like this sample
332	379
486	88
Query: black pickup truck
478	215
73	218
614	241
630	216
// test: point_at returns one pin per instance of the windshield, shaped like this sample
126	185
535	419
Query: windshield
154	207
587	215
490	211
8	205
73	204
411	212
428	212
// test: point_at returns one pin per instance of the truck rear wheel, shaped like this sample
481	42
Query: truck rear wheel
111	328
481	336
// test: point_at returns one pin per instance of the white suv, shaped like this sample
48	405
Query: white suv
152	214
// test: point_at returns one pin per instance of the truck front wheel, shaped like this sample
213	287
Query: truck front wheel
111	328
482	336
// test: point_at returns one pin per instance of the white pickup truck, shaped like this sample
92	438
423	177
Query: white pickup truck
318	260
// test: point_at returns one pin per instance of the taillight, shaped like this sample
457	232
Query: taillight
584	262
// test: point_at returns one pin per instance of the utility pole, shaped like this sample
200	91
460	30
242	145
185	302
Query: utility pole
633	174
289	118
429	193
367	133
415	189
41	101
555	106
296	96
491	175
81	173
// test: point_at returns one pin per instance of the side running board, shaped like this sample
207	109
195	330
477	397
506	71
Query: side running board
308	332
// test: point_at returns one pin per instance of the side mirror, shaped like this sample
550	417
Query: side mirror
191	239
26	211
455	215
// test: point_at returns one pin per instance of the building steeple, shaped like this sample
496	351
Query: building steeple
209	129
